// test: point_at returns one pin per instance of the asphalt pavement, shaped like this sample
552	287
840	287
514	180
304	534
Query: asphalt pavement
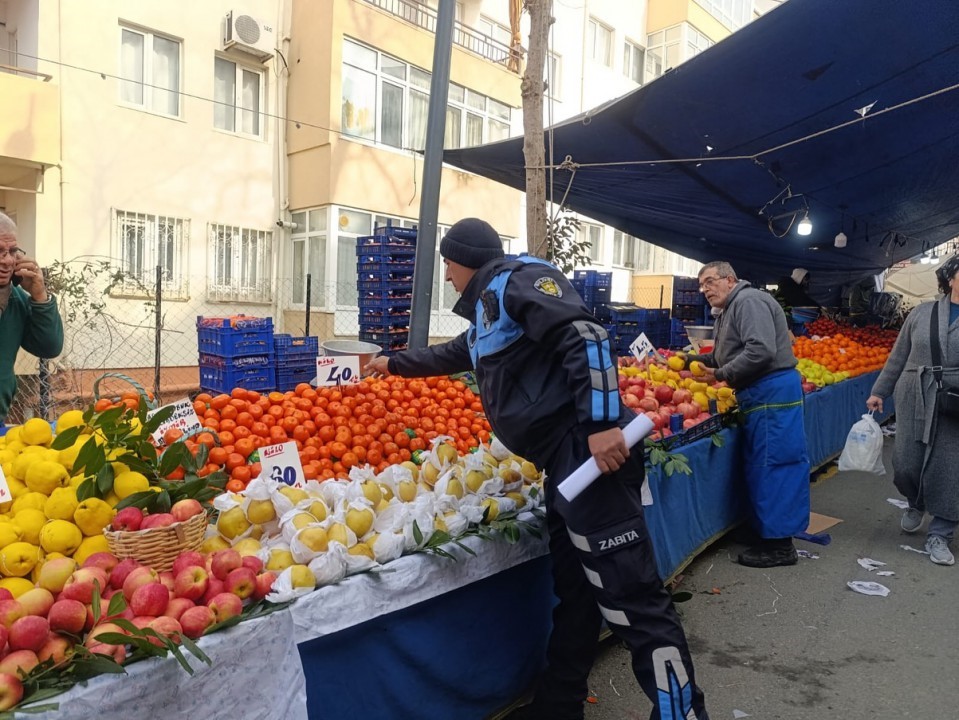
796	643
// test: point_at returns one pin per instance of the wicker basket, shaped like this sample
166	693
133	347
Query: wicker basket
158	547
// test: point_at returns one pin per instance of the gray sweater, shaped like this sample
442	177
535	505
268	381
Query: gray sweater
751	338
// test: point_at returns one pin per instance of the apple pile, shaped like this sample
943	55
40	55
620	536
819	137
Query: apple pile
133	519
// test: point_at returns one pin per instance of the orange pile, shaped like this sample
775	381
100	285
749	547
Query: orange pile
379	422
840	353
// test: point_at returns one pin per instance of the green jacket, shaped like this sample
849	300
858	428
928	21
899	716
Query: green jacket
36	327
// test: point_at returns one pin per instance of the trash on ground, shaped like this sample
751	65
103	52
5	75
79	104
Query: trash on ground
870	564
901	504
915	550
807	554
889	429
739	714
821	539
868	588
886	573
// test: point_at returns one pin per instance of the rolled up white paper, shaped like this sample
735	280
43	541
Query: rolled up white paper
583	476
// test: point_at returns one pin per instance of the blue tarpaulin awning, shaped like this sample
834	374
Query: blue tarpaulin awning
849	109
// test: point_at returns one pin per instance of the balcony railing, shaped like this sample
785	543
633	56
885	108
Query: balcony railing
424	16
14	70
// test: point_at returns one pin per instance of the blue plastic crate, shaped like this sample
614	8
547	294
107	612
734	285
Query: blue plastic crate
388	236
403	233
289	347
227	342
385	252
594	278
223	380
241	362
379	303
289	378
384	270
685	284
238	322
595	295
384	288
688	297
391	341
378	320
687	312
621	314
601	312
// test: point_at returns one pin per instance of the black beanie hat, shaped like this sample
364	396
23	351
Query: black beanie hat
471	243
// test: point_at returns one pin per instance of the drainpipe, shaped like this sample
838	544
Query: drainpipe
281	165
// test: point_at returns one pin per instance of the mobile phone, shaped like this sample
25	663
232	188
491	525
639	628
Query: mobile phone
16	279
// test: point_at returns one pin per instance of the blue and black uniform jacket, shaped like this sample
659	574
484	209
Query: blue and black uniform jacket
542	362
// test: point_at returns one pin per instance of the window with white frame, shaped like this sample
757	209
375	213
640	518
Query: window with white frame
624	249
634	62
143	242
554	75
385	100
237	98
492	29
242	260
150	71
644	261
309	240
731	13
696	42
592	234
599	43
663	50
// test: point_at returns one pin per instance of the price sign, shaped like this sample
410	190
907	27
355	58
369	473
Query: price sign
281	463
337	370
184	418
642	348
5	494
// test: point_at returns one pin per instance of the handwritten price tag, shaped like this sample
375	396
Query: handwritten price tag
5	494
337	370
281	463
184	418
642	348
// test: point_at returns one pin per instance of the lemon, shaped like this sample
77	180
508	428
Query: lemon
89	546
68	456
232	523
14	446
92	515
13	435
7	456
60	536
302	576
22	464
61	504
30	521
29	499
46	476
260	511
214	543
9	533
69	419
18	559
129	482
36	432
280	559
16	585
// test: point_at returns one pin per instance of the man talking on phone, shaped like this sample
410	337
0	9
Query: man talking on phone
29	318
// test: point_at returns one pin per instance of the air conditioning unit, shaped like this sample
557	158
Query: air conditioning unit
248	34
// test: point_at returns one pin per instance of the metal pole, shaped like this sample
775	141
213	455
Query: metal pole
158	328
309	288
43	375
432	173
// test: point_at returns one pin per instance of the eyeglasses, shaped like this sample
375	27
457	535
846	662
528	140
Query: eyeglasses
15	253
709	282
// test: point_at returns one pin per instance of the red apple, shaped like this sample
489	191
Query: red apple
214	587
224	561
117	652
29	633
167	579
185	509
241	582
7	595
56	648
19	661
36	601
630	400
11	690
54	573
225	605
157	520
687	410
106	561
10	612
120	572
188	558
142	575
167	627
178	606
191	583
82	584
681	396
103	627
663	393
129	519
648	404
67	616
264	584
254	563
150	599
196	620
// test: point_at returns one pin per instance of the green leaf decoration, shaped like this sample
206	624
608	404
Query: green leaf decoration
87	490
66	438
105	479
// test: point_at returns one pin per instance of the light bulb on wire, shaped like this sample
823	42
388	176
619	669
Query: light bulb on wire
841	239
925	259
805	225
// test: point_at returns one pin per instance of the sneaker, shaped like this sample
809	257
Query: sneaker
767	556
911	520
938	549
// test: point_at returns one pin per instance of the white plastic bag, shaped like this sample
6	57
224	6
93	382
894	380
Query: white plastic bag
863	449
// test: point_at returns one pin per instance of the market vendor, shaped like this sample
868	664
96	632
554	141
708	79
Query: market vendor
753	354
549	385
29	318
794	289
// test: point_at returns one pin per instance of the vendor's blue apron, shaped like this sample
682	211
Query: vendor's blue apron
776	463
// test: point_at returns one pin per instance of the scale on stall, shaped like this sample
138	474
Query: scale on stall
701	338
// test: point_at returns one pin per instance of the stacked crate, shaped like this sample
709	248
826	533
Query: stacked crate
384	268
295	360
626	322
595	288
235	352
689	308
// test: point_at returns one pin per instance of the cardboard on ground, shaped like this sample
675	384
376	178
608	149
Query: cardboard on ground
820	523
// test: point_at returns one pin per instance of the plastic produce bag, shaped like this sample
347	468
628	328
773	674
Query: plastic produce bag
863	450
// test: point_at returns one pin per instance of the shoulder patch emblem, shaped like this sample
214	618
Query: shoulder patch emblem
548	286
